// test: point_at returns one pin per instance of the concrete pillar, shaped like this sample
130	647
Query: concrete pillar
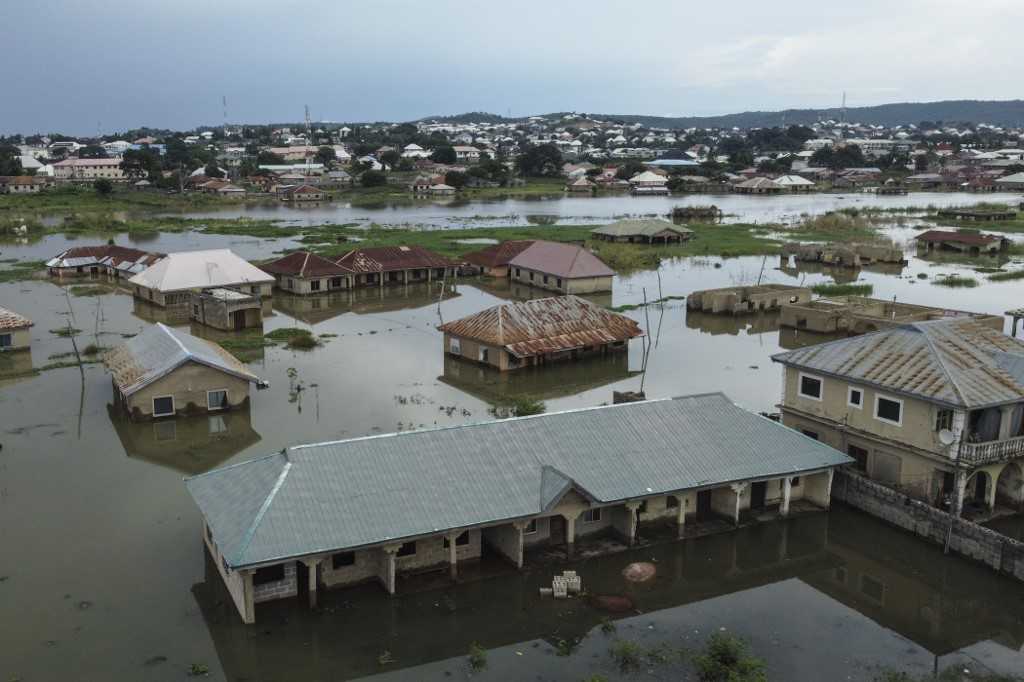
631	510
570	535
520	526
784	542
990	490
737	489
249	614
389	567
312	565
1005	421
405	276
959	491
787	490
430	275
453	567
680	517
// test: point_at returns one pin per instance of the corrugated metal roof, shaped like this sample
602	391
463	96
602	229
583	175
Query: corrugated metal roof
567	261
385	258
958	237
159	350
332	496
198	270
12	320
305	264
958	362
644	228
498	254
545	325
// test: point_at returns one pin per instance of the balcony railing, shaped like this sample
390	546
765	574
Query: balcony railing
979	454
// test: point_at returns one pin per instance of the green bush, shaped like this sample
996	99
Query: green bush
477	657
725	659
834	289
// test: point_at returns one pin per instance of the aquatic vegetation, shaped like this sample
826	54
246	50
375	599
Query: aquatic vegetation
607	626
1006	276
66	332
287	333
303	342
477	657
628	655
955	281
725	659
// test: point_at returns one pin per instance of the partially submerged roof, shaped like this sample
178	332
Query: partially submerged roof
567	261
383	258
759	183
304	264
793	181
198	270
497	254
1016	179
12	320
973	238
545	325
159	350
648	176
122	258
640	228
365	491
958	362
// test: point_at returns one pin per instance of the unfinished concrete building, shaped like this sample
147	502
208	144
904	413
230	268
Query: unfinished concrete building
746	299
226	309
846	255
859	315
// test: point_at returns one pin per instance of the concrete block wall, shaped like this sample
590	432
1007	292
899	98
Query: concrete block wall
278	589
432	552
723	502
657	507
505	539
543	533
233	580
367	566
584	528
968	539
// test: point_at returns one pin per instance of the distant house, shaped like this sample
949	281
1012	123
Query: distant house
581	184
494	260
302	272
162	372
14	331
88	170
303	193
648	182
1011	182
441	190
396	265
565	268
466	154
423	183
795	183
21	184
515	335
652	231
965	242
172	280
758	186
107	259
377	509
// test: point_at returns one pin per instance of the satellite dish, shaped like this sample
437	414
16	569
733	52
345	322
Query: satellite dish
946	437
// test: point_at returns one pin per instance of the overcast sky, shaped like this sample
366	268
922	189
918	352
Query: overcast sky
80	65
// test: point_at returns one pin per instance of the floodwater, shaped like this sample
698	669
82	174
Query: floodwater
103	574
583	210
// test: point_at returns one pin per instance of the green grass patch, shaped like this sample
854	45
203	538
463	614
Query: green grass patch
21	270
1006	276
477	657
955	281
833	289
287	333
244	342
834	227
66	332
303	342
726	659
91	290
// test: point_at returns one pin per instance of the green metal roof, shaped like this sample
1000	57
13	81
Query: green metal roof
333	496
645	228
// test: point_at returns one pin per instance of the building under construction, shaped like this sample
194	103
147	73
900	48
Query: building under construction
859	315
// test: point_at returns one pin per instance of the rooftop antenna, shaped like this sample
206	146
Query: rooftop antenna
224	101
309	140
842	118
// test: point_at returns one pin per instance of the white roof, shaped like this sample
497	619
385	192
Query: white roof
792	180
200	269
1015	178
647	176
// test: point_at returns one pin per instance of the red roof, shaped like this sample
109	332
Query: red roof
385	258
304	264
567	261
498	254
960	237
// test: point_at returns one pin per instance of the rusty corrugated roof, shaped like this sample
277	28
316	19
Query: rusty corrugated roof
12	320
304	264
958	362
498	254
385	258
545	325
959	237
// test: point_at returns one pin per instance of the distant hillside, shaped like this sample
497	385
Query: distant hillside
1004	113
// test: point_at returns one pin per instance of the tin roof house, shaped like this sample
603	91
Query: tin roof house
650	231
14	331
162	372
396	265
303	272
369	509
171	281
565	268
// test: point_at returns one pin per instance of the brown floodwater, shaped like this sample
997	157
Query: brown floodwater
103	575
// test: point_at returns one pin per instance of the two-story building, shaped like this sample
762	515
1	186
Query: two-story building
88	170
935	409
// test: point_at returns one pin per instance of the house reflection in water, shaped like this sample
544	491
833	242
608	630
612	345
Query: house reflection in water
756	323
943	604
176	316
15	366
313	309
517	291
798	269
548	382
191	445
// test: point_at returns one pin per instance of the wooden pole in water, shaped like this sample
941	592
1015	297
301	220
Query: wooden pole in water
647	350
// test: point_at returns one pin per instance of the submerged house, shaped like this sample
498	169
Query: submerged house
493	260
14	331
226	309
369	509
396	265
963	242
162	372
302	272
514	335
106	259
886	399
565	268
172	280
651	231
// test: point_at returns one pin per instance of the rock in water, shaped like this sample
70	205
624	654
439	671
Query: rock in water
639	572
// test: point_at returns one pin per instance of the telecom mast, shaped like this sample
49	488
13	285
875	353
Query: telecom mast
309	143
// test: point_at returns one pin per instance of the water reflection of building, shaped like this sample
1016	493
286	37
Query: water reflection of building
179	315
791	339
516	291
715	325
940	603
15	366
313	309
190	445
838	273
538	383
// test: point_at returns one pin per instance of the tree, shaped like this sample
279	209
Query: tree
540	161
92	151
326	156
103	187
270	159
10	164
212	171
443	154
390	158
372	178
455	178
629	169
847	156
140	163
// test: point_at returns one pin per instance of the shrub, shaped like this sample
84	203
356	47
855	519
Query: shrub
91	349
834	289
627	655
725	659
303	342
477	657
955	281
